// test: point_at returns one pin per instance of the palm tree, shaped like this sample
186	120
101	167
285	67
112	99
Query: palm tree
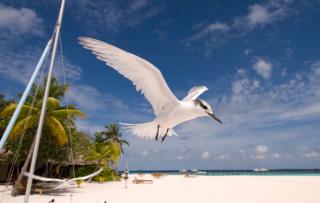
100	153
56	121
113	135
3	120
56	90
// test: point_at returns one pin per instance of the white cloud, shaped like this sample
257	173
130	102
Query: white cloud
263	68
86	97
243	84
18	65
284	72
256	84
86	126
224	157
261	149
287	53
261	152
258	15
15	22
282	114
306	152
209	29
205	155
112	16
247	51
315	66
145	153
275	156
182	157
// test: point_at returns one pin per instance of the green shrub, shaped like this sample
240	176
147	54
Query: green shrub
105	175
79	182
84	170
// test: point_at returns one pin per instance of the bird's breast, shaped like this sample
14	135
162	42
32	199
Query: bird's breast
177	115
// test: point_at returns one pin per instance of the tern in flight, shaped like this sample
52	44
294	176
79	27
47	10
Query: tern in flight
147	78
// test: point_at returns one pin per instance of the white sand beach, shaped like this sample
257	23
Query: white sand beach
177	188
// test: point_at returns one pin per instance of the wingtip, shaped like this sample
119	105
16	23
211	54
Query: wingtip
82	40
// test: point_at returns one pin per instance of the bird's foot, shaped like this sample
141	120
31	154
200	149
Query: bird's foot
157	133
164	137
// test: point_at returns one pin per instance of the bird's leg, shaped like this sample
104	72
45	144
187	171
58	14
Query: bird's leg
157	132
164	137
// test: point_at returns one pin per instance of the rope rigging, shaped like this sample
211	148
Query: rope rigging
16	156
67	105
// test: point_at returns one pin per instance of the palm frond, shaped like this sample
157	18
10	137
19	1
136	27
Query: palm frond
53	103
57	129
9	110
23	124
63	113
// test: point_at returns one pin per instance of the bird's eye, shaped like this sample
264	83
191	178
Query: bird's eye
204	107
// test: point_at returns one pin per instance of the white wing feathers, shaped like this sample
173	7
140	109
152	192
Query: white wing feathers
195	92
145	76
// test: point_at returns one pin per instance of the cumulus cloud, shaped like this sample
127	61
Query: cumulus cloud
182	157
19	21
112	16
306	152
254	111
86	97
18	65
275	156
261	152
224	157
101	106
258	15
263	68
205	155
247	51
86	126
209	29
145	153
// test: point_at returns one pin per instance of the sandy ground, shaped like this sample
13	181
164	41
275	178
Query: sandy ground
202	189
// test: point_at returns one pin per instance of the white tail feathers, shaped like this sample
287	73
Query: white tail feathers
147	130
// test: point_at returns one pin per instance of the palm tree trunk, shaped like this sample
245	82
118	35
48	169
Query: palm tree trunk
24	169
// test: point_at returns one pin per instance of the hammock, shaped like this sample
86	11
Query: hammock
63	182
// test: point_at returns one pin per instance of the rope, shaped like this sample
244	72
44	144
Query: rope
67	101
16	156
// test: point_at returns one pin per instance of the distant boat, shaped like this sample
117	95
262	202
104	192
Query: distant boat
192	172
260	170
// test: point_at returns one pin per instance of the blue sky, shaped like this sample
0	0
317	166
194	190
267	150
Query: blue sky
259	59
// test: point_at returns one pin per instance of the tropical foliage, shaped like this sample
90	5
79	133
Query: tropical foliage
103	150
58	120
3	119
112	134
111	140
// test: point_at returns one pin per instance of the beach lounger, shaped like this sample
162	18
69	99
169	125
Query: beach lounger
141	181
156	175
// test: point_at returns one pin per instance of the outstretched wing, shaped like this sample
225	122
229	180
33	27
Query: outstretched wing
195	92
145	76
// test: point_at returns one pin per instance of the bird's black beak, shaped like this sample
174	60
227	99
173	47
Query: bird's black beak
214	117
